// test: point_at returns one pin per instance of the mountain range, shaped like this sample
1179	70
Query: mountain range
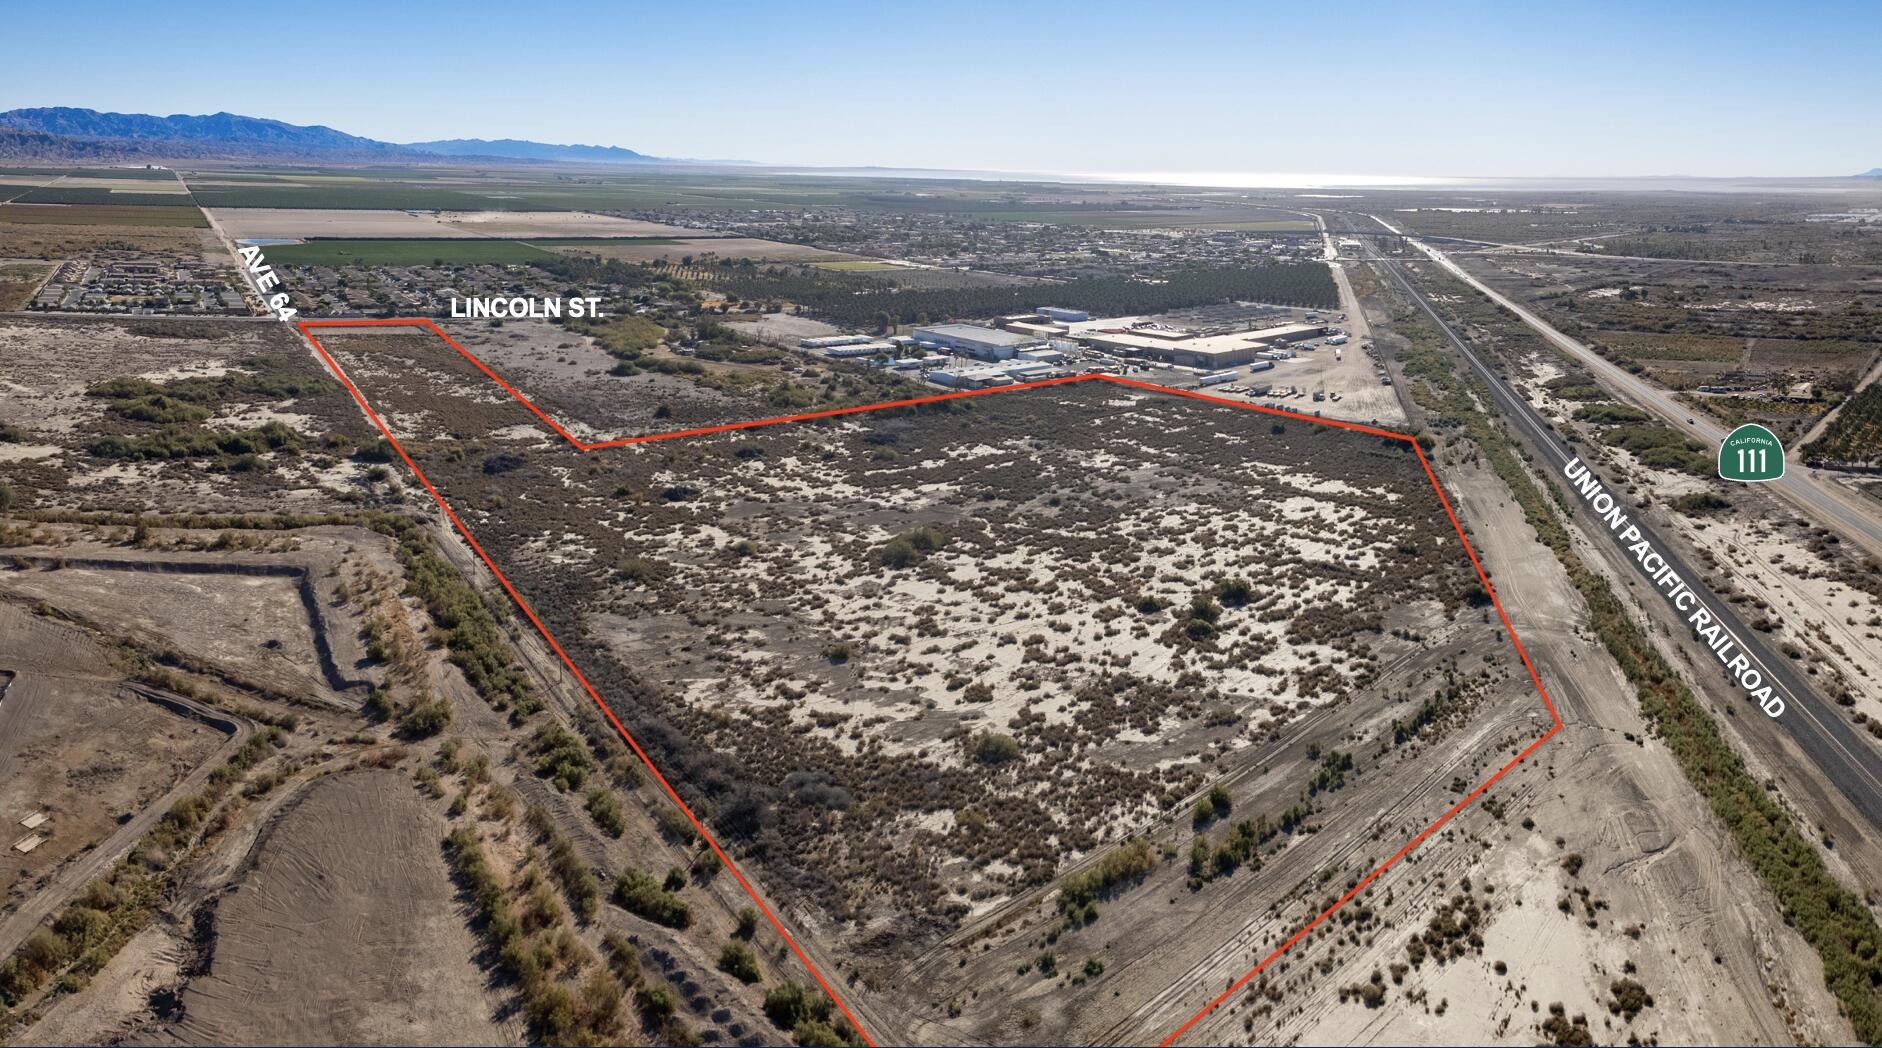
61	133
520	149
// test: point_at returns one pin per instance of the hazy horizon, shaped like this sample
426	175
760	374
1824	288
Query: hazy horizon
1378	92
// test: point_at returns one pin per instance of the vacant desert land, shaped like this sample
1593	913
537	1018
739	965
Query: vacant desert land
158	414
264	223
995	638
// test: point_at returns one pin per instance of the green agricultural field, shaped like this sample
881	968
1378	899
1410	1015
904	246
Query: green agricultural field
43	173
448	251
405	253
389	196
57	194
104	215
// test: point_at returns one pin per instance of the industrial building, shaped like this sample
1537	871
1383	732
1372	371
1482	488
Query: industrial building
864	348
1172	346
832	341
1166	345
970	378
973	340
1288	333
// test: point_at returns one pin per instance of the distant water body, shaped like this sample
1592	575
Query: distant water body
1334	181
1641	183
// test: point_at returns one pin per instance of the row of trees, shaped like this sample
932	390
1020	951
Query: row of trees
858	302
862	300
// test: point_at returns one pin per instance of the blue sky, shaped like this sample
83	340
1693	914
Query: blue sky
1351	87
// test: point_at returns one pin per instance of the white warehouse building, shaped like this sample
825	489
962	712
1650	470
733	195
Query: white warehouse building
976	341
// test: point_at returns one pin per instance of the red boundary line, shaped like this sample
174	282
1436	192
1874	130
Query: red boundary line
1307	929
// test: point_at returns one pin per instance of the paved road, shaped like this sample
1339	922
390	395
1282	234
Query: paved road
1840	752
1821	498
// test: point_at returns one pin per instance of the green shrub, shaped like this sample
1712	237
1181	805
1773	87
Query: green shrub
910	547
46	950
787	1004
639	570
606	810
425	719
1129	863
638	893
561	757
1699	503
995	748
656	1003
737	960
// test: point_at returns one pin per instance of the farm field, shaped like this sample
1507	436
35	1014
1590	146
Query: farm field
61	193
408	252
100	215
315	223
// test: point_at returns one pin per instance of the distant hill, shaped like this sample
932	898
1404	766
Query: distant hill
90	132
1874	172
62	133
519	149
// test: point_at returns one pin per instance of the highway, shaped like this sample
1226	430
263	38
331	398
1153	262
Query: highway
1829	503
1846	759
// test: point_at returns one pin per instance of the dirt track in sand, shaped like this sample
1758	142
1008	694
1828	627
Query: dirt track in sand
343	928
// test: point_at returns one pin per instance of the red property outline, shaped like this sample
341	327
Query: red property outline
420	322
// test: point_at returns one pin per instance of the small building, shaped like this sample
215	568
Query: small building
1063	315
865	348
832	341
1031	372
969	378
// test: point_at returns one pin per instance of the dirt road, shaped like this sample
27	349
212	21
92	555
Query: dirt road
28	688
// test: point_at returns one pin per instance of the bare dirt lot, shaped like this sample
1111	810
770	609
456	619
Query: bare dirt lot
79	752
351	869
313	812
